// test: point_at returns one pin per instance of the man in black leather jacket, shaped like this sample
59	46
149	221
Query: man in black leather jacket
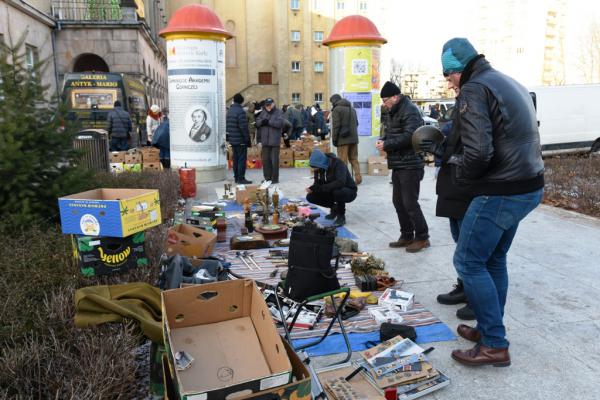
400	118
500	160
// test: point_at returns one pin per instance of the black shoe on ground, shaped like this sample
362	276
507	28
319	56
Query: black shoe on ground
340	220
244	181
332	214
465	313
455	296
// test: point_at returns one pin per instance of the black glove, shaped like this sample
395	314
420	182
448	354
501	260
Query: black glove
429	146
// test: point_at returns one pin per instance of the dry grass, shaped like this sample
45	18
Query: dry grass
573	183
42	354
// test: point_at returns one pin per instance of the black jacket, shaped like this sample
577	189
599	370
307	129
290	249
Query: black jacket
119	123
398	126
237	126
344	123
270	127
335	177
453	200
501	152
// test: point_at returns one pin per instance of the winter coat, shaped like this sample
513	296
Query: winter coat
344	123
162	139
270	127
452	200
399	123
335	177
319	123
236	126
501	152
119	123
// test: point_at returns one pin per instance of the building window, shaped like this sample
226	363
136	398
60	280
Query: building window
318	36
363	6
340	5
295	36
316	5
319	66
295	66
318	97
295	97
265	78
31	57
295	4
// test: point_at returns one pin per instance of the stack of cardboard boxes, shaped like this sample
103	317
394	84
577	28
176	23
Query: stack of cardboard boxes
253	158
108	227
286	158
135	160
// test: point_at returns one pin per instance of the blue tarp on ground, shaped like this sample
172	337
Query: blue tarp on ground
334	344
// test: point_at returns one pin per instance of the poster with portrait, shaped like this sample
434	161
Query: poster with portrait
196	89
357	63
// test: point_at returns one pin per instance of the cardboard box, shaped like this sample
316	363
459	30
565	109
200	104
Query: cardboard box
190	241
286	163
109	255
301	164
286	154
243	191
377	166
397	299
150	154
301	155
151	166
110	212
132	167
117	156
385	314
133	158
227	328
117	168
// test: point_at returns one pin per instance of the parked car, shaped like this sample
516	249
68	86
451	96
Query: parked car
427	120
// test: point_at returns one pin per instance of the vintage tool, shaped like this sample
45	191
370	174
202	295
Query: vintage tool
249	256
241	257
273	232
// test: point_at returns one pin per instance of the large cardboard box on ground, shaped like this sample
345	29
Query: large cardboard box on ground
301	155
117	156
228	330
150	154
190	241
133	158
117	168
243	191
377	166
109	255
110	212
301	163
286	163
155	166
286	154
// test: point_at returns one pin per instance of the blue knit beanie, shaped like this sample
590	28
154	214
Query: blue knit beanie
318	159
456	54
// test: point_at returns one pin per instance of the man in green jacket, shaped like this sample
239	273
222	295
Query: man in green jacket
344	133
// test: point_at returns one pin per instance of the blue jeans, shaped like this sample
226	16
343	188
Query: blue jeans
119	144
486	233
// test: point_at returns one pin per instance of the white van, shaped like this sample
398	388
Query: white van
568	117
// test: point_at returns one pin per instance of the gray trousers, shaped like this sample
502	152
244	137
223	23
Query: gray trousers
270	161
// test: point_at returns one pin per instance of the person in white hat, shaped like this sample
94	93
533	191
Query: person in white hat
152	122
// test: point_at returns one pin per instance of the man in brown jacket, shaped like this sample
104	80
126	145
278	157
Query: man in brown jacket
344	133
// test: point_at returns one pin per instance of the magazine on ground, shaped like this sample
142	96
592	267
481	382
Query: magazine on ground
390	358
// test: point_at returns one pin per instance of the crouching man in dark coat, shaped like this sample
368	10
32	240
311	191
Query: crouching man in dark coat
333	186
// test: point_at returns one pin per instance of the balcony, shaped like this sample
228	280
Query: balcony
94	10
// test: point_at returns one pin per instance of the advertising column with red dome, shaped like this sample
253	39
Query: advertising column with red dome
195	40
354	73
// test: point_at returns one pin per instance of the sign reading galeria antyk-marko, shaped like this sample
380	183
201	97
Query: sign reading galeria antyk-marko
196	73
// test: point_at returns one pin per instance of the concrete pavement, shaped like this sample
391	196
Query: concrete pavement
553	307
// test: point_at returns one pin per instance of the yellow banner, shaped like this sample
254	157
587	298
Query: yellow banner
357	62
375	114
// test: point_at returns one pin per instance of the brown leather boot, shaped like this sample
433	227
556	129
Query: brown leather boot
400	243
482	355
417	245
468	333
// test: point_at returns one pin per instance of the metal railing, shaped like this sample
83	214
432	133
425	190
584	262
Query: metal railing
90	10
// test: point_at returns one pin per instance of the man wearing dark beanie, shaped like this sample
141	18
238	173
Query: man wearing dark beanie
238	137
400	118
500	160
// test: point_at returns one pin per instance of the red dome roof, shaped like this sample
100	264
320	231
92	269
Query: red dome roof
195	18
354	28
